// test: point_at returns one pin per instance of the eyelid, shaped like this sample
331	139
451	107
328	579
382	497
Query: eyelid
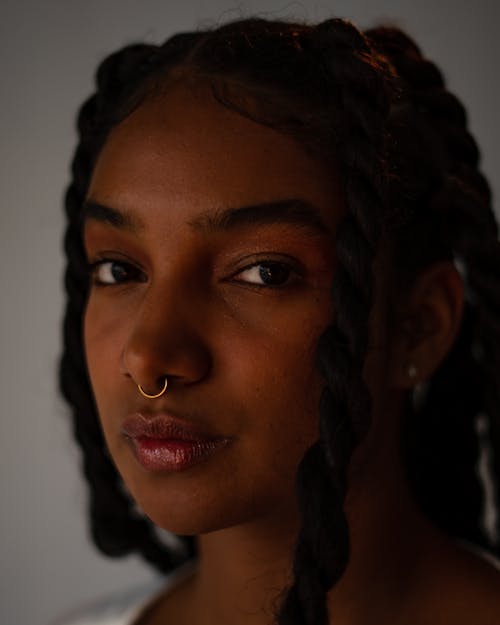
258	258
112	255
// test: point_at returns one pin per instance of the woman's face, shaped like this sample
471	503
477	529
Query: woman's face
214	242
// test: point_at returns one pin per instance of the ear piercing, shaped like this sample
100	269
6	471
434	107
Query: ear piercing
412	371
419	388
144	394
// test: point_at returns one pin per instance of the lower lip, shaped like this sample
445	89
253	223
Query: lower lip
158	454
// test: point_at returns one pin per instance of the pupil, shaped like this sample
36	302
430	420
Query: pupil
273	273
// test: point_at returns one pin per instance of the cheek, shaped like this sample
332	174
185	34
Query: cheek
103	340
271	371
264	391
275	378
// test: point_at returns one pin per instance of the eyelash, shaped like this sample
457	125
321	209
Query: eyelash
95	266
135	273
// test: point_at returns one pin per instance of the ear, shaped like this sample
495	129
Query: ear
425	325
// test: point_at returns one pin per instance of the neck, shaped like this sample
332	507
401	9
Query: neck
243	570
394	547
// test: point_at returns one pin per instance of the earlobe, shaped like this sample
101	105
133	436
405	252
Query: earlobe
426	325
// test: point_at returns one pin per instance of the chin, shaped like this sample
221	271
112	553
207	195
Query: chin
194	526
196	504
189	515
205	498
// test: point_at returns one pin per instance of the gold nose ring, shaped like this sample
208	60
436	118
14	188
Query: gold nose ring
144	394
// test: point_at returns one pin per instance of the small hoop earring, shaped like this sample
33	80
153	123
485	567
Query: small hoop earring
144	394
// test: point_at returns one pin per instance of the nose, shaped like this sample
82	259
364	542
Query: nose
165	341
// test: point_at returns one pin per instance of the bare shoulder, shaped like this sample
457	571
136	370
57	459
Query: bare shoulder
466	590
482	583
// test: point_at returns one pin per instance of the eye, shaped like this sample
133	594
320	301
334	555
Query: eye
107	272
269	273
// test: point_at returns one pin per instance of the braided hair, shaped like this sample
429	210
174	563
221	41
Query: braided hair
379	111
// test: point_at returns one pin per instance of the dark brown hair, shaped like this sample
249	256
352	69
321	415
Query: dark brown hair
409	170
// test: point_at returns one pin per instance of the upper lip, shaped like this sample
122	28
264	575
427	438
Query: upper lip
164	426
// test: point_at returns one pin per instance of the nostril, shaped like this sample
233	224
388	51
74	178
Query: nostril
155	349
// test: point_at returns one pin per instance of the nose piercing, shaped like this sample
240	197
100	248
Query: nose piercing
144	394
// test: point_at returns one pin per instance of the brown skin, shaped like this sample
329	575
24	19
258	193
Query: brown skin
240	356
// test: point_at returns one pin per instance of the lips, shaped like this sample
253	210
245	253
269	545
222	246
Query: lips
162	442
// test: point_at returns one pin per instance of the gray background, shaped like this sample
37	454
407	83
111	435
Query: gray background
49	50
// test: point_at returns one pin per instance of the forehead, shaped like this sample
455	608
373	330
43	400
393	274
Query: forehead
186	152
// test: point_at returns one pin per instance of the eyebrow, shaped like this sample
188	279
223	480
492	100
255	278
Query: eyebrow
295	211
292	211
122	220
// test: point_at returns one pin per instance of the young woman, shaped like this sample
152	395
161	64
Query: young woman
282	331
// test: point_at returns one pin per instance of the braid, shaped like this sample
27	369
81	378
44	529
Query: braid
441	441
322	550
348	78
373	106
116	528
